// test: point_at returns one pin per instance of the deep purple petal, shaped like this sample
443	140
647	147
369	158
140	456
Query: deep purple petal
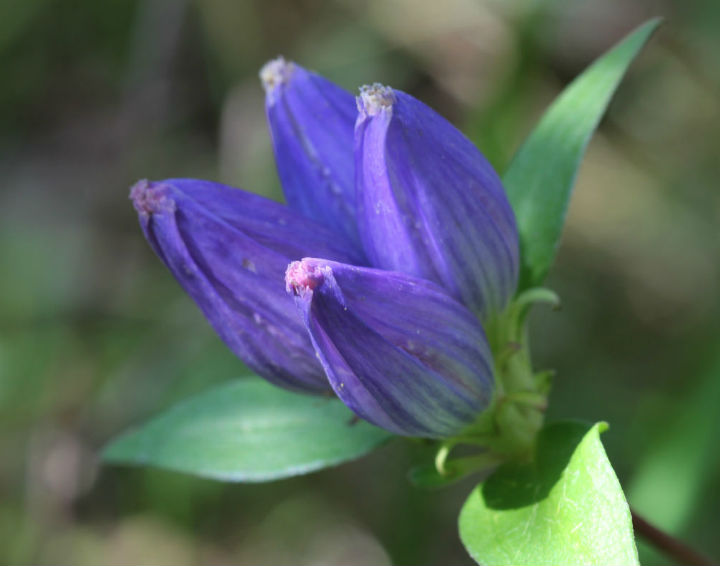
397	350
312	123
430	204
229	250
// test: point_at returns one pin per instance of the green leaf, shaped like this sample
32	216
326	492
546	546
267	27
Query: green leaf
566	507
248	431
541	176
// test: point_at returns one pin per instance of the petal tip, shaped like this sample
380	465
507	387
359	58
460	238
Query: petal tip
151	198
303	277
375	98
276	73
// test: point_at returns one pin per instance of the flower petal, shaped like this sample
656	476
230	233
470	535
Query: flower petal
312	122
397	350
430	204
229	250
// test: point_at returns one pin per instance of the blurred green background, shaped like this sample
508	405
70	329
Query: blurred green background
96	336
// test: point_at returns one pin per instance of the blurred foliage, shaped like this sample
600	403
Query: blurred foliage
96	336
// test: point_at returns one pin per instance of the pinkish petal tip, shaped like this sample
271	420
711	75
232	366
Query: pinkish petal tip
302	277
151	198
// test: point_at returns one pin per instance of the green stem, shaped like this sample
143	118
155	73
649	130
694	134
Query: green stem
511	422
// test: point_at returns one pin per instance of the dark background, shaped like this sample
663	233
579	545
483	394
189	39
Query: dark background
96	336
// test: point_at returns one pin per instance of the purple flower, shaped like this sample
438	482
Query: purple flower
396	245
311	124
430	204
398	350
229	250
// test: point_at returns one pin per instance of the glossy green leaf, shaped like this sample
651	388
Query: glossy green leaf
248	431
566	507
541	176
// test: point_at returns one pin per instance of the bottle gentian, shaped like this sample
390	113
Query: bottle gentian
398	248
229	250
430	204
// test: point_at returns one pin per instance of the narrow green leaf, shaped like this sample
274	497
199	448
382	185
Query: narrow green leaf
566	507
541	176
248	431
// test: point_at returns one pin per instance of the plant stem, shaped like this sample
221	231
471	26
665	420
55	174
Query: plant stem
673	547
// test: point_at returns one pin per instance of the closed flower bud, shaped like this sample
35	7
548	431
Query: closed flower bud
399	351
229	250
311	123
430	204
